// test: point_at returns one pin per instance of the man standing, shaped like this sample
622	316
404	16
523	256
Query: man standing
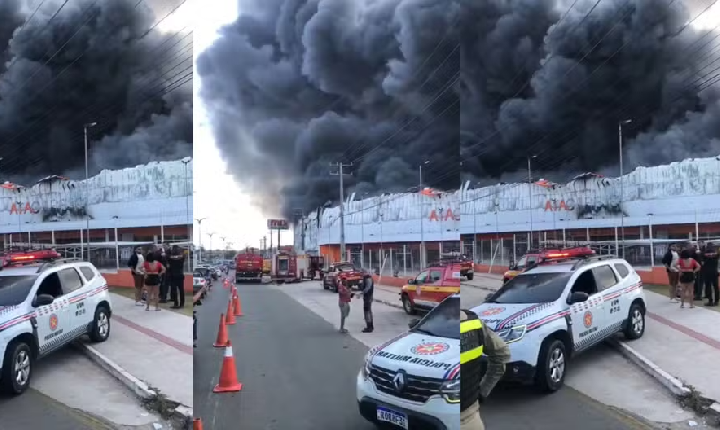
699	255
710	275
176	275
162	257
476	341
367	295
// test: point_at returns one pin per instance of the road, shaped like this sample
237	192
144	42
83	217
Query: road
69	392
299	372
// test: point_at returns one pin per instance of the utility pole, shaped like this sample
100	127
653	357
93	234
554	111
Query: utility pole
87	187
530	187
339	174
199	221
186	161
422	217
622	185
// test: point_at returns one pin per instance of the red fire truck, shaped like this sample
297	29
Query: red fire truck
248	267
288	267
430	287
538	256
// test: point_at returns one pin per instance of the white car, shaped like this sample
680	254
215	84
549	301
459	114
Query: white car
199	284
413	380
558	309
43	308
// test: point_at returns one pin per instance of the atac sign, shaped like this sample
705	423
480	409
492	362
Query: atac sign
18	208
443	215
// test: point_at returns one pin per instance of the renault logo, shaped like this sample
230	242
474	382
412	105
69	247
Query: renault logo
399	381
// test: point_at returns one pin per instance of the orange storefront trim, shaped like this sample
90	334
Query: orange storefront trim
123	279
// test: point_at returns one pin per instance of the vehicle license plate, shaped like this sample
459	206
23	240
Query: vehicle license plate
389	416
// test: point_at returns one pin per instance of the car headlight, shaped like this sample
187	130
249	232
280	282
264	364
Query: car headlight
450	390
366	367
512	334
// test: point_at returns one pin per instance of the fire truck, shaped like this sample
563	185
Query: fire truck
430	287
467	268
248	267
535	257
288	267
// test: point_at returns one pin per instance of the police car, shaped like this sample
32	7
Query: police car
560	308
413	380
43	307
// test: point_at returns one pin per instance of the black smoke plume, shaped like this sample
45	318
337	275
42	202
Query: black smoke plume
541	81
292	86
70	63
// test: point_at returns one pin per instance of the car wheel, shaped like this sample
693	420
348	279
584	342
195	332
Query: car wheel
552	364
17	371
100	329
635	325
470	276
408	306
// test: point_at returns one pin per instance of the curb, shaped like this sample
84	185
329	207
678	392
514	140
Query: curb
676	387
142	390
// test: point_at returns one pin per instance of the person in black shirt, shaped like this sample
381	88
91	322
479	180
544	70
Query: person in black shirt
699	256
176	274
710	275
162	257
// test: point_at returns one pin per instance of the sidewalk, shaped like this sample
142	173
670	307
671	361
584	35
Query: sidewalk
680	347
150	352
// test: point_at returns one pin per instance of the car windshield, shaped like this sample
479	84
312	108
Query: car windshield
442	321
15	289
532	288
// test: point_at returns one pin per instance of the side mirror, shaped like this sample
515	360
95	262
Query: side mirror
577	297
42	300
488	296
413	322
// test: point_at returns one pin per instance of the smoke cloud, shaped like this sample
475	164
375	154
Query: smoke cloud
71	63
547	83
292	86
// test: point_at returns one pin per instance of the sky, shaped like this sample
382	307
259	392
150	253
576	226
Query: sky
217	197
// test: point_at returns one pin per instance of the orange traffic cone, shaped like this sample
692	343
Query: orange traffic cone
236	305
226	283
222	336
229	317
197	424
228	374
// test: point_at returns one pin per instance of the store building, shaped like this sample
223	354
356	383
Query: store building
497	224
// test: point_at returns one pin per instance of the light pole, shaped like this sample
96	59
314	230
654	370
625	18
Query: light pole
199	221
18	203
422	218
188	220
622	186
530	187
223	246
210	235
87	185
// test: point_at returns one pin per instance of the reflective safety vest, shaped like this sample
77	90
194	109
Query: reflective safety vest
471	349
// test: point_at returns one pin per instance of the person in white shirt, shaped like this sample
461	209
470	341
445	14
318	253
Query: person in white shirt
137	268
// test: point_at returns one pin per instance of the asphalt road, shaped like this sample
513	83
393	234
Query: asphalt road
34	410
297	373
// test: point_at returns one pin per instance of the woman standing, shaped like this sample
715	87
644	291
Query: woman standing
687	267
670	261
153	271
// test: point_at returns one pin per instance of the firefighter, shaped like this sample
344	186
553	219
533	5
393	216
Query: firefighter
477	341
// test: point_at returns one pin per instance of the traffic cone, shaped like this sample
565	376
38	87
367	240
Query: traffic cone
197	424
236	305
226	283
228	382
229	317
222	336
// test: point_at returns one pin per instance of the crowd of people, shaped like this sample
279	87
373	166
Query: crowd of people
693	273
158	271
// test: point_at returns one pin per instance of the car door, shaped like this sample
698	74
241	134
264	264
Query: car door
53	322
587	318
611	289
74	287
421	294
86	297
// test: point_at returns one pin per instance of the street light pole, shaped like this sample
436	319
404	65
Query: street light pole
622	185
87	185
211	234
199	221
530	188
185	162
422	218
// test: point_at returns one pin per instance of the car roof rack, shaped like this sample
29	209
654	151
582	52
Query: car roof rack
49	264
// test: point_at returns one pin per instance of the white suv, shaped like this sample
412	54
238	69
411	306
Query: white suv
44	307
560	308
413	381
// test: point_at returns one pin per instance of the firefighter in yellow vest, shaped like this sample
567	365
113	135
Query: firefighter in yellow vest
476	341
